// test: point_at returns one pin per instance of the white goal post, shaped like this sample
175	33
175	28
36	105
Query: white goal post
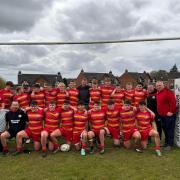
177	126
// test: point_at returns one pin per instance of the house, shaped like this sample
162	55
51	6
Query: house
99	76
68	80
167	77
134	78
42	79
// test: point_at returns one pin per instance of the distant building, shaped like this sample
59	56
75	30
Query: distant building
68	80
134	78
99	76
42	79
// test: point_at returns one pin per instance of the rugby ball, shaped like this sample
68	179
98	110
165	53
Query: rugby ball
65	147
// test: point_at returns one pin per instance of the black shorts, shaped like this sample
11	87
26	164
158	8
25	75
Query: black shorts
12	133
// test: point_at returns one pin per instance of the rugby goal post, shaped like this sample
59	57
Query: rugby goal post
177	126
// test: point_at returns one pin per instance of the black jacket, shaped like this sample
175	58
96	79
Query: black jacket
16	120
84	94
152	101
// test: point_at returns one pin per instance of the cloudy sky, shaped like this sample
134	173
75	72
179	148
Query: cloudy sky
88	20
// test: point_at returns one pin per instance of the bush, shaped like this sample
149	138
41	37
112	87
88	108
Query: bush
2	83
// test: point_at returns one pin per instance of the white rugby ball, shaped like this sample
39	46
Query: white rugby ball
65	147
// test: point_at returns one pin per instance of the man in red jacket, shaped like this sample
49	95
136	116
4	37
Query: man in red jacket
166	107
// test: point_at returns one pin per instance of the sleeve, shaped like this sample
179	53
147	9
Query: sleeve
25	117
6	117
145	93
89	115
59	109
172	101
15	98
152	117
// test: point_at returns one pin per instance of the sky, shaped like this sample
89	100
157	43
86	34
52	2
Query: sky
88	20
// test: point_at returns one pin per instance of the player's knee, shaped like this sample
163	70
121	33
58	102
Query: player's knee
19	135
36	146
3	136
116	142
156	134
84	135
43	134
127	146
102	132
90	135
52	135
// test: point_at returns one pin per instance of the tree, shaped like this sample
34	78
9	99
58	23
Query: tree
174	69
2	83
159	75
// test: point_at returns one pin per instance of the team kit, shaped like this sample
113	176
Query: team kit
84	117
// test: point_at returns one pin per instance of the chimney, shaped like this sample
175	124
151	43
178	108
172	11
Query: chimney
19	73
126	71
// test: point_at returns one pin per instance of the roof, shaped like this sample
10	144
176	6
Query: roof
32	78
137	75
98	76
174	75
69	79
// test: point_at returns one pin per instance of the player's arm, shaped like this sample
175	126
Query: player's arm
89	125
7	120
154	125
112	94
87	122
136	123
151	112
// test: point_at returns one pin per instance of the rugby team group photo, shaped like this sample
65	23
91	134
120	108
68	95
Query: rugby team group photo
64	117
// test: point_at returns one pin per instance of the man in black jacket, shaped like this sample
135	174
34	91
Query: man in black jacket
84	92
16	121
152	105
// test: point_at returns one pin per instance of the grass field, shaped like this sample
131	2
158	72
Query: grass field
114	164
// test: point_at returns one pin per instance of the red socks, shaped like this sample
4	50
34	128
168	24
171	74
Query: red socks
157	148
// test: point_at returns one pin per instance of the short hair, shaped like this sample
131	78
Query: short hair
9	83
33	103
110	102
66	101
107	79
52	102
97	103
61	84
85	79
80	103
15	101
142	102
139	83
127	102
36	85
25	86
18	88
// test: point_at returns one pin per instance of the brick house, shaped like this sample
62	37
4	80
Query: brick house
99	76
134	78
42	79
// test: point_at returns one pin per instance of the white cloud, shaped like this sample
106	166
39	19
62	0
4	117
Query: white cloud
84	20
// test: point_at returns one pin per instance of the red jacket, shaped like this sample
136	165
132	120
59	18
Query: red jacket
166	102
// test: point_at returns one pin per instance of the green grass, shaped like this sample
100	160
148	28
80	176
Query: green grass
114	164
